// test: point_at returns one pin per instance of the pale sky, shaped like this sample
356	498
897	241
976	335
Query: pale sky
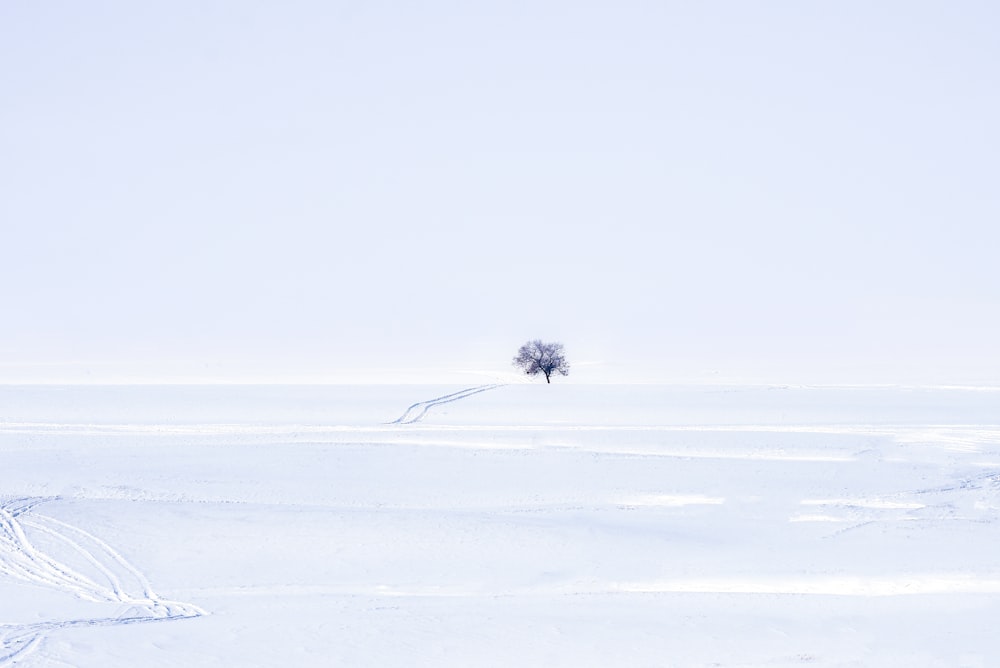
300	190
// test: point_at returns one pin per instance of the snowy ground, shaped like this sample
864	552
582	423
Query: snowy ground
520	525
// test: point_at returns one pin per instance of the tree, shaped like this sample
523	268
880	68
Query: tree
538	357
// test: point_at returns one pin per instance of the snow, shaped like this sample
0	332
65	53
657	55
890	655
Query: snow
499	525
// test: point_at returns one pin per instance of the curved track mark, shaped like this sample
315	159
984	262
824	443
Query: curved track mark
21	560
421	407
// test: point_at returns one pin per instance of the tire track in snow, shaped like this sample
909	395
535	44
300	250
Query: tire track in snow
21	560
16	646
421	407
18	641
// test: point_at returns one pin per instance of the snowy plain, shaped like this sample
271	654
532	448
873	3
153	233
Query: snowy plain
501	525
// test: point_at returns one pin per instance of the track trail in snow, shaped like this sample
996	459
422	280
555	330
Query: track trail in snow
112	580
417	411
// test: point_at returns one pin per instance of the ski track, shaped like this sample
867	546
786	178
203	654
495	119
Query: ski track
424	406
125	584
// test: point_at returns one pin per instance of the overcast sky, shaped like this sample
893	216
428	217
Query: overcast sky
295	190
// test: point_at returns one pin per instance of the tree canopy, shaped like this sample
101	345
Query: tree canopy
537	356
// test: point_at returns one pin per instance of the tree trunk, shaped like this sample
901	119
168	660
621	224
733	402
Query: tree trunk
547	379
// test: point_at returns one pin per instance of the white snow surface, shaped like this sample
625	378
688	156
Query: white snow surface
499	525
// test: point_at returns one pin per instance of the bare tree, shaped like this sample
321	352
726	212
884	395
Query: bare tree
539	357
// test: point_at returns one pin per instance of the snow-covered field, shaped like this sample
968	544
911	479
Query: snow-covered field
519	525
